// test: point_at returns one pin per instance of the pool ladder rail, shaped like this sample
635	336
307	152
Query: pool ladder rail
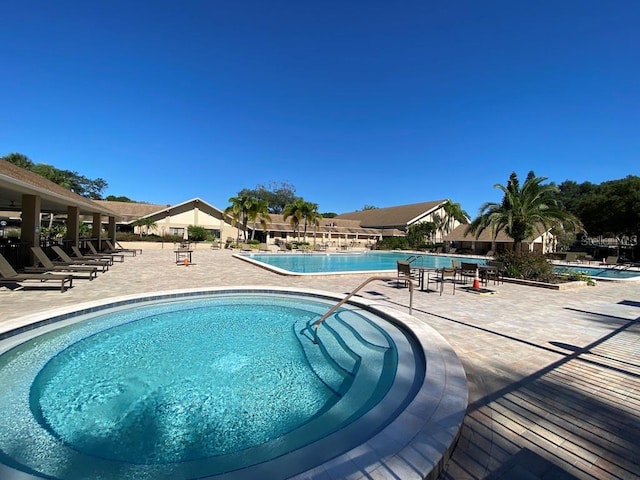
318	322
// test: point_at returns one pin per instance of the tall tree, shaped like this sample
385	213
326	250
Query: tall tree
303	212
19	160
523	209
277	195
609	209
258	212
146	222
73	181
451	212
239	211
312	218
294	212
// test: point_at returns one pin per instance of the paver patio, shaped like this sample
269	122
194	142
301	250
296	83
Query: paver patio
554	376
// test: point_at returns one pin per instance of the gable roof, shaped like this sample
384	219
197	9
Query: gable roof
458	235
16	181
392	217
130	212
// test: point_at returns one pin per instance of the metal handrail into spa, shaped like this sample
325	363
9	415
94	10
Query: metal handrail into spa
318	322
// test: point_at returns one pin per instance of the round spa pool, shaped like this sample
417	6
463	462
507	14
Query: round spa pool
210	384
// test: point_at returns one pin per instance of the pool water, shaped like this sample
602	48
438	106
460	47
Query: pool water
351	262
189	388
335	263
607	273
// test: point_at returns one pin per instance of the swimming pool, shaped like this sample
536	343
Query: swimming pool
369	262
128	389
605	273
340	263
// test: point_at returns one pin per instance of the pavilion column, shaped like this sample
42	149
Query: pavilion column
30	230
111	229
96	231
73	225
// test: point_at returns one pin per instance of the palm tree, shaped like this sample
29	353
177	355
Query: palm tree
451	212
302	212
239	211
258	212
313	217
295	212
146	222
523	209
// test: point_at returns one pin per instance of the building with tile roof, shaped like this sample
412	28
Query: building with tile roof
28	195
543	241
394	221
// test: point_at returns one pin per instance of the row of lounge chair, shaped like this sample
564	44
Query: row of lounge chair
64	269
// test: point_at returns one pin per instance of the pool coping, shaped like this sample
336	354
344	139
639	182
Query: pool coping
415	445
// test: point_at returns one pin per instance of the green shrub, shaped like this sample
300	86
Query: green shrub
393	243
197	233
578	276
527	266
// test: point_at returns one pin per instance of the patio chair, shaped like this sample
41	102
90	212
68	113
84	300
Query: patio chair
496	273
445	275
49	266
112	257
610	260
70	261
468	270
8	275
406	274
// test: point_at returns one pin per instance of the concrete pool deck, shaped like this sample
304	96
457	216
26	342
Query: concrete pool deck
554	376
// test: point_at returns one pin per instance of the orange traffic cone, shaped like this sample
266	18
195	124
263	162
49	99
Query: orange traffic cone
476	281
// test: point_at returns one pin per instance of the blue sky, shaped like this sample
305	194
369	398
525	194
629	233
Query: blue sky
352	102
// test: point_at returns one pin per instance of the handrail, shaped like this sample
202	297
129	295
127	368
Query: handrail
413	258
318	322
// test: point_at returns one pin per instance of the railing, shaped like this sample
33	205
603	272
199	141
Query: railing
318	322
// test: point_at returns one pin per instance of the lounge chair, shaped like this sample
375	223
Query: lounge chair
120	247
111	248
70	261
9	275
76	254
112	257
264	247
49	266
610	260
573	257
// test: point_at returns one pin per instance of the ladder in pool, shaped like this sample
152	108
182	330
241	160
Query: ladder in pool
318	322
